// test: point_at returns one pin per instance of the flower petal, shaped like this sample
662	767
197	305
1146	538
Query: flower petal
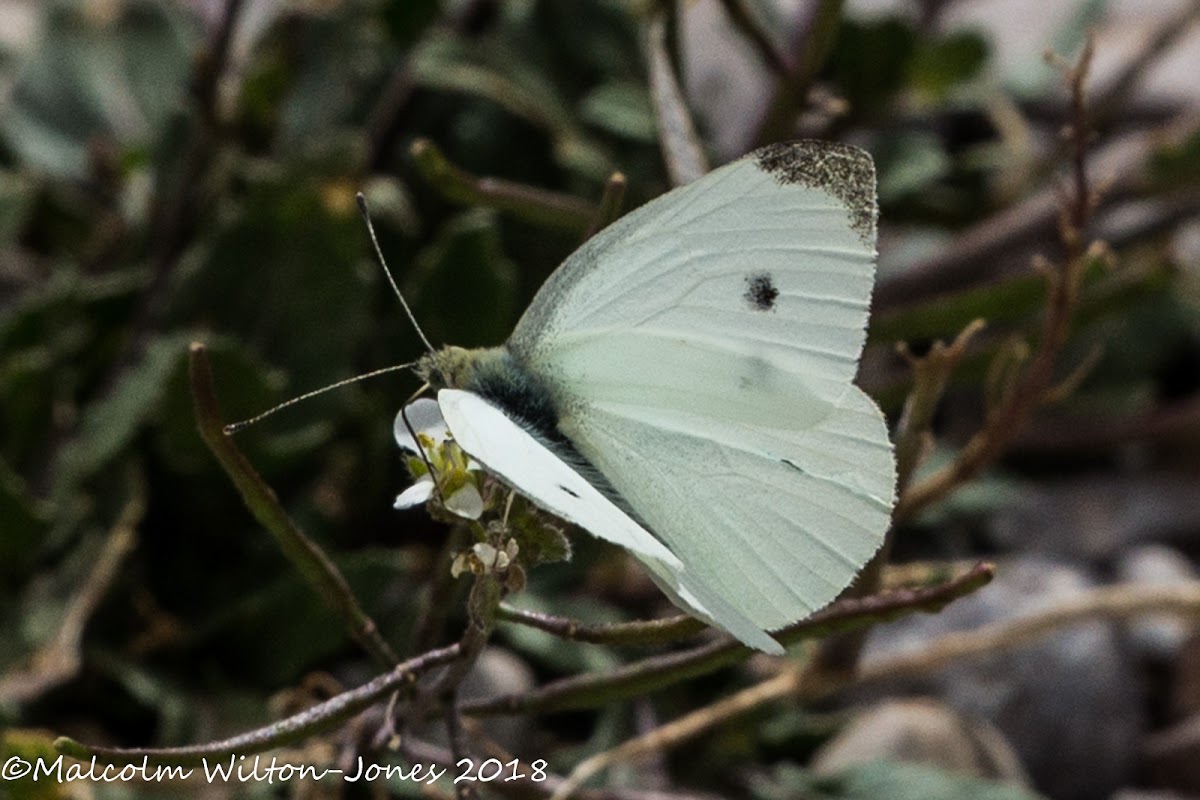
466	502
416	494
426	418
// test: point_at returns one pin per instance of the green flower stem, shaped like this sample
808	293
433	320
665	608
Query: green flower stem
312	563
322	717
530	203
481	621
651	674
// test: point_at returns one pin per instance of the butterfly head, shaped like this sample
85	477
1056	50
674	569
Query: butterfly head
448	368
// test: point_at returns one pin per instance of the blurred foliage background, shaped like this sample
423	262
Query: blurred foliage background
185	170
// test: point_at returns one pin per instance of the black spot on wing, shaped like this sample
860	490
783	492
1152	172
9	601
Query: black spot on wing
761	293
571	492
794	466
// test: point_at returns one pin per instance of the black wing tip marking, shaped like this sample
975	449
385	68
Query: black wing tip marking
761	292
842	170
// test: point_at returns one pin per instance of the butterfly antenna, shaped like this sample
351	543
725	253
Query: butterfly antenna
366	215
246	423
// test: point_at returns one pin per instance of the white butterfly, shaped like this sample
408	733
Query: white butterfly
682	386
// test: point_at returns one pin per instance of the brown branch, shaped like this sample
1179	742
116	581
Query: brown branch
1120	602
975	254
59	660
610	204
297	727
1006	420
1112	99
646	632
536	205
481	621
651	674
309	560
814	44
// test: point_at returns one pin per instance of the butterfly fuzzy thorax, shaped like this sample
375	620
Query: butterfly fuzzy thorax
494	374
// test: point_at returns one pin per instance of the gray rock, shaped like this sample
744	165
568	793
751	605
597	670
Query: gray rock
1096	517
922	731
1069	702
1149	794
1159	638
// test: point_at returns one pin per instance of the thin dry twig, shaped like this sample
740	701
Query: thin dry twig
60	659
458	744
684	729
931	373
481	621
310	560
973	256
657	672
610	204
1118	603
536	205
657	631
1006	420
321	717
1113	603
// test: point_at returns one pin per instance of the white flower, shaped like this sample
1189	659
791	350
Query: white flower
484	558
456	471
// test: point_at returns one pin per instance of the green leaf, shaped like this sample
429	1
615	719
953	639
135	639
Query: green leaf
91	77
17	195
463	287
871	61
323	96
909	164
893	780
489	70
941	64
26	521
541	540
621	108
282	273
110	424
1176	164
